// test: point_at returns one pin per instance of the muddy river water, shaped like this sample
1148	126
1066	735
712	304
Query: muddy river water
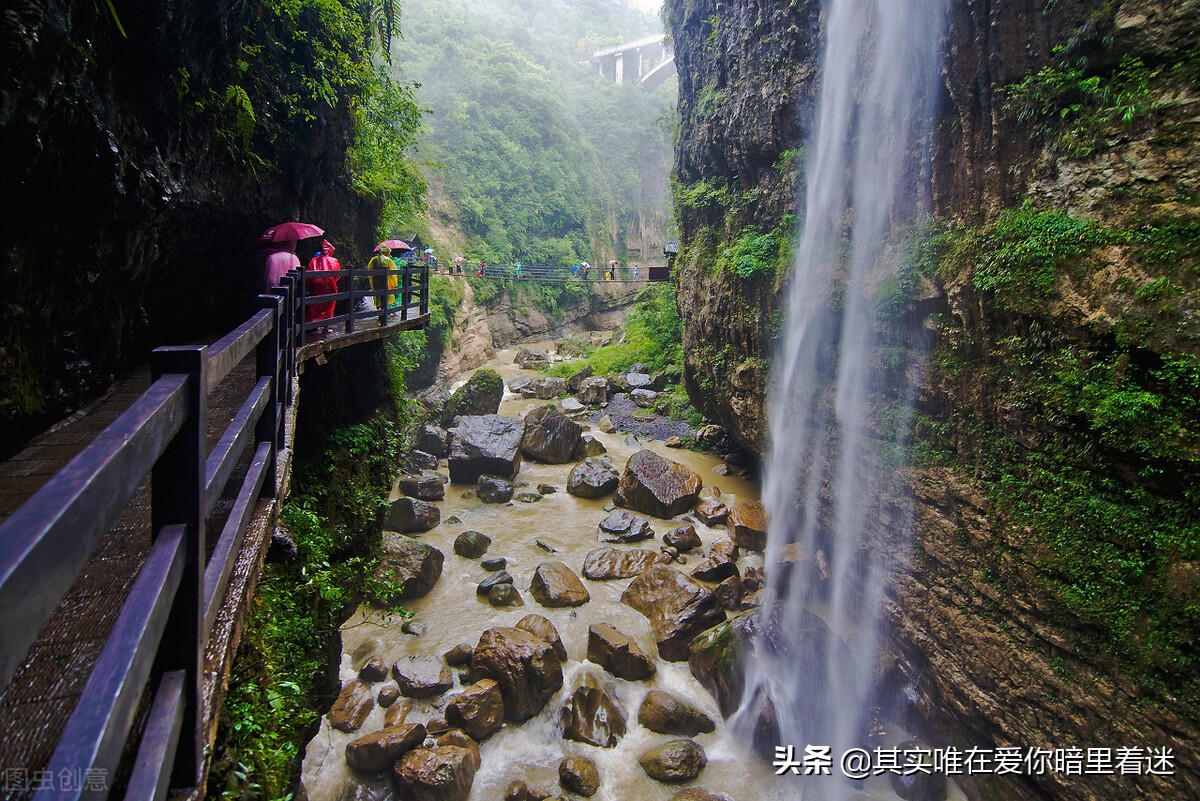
452	613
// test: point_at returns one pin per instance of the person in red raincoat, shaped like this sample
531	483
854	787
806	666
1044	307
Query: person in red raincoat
318	284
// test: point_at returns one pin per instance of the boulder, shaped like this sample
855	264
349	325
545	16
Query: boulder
478	710
544	388
494	489
425	487
351	707
623	526
664	713
377	752
725	549
503	595
420	460
388	695
673	441
373	670
528	497
572	407
492	580
729	592
657	486
592	390
397	712
408	515
550	436
683	538
444	773
458	655
526	667
604	564
747	522
711	511
459	738
471	544
529	359
618	654
605	424
409	564
495	564
556	585
592	478
481	395
643	398
543	629
715	569
578	377
485	445
593	715
678	607
589	446
547	489
433	440
638	380
676	761
578	775
422	676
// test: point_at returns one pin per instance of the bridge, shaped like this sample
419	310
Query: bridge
647	62
560	274
119	614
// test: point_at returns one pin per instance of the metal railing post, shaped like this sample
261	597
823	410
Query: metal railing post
287	342
268	365
405	290
353	302
301	296
177	498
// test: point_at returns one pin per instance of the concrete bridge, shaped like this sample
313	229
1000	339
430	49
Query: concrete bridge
647	63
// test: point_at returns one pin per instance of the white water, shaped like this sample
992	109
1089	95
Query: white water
824	485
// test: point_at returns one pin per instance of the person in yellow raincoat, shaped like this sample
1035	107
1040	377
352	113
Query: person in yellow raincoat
382	260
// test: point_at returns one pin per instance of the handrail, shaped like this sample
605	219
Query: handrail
174	601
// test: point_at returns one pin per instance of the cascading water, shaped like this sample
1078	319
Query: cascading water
842	384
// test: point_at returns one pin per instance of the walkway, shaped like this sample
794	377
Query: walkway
36	705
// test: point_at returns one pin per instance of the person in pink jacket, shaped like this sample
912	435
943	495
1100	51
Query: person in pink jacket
280	260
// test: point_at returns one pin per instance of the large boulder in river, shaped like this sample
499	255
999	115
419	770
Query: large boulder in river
529	359
377	752
478	710
444	773
556	585
666	714
433	439
422	676
486	444
550	436
590	446
618	653
657	486
592	390
679	608
427	486
592	478
676	761
526	668
604	564
543	629
747	522
544	388
623	526
408	515
593	715
481	395
409	564
493	489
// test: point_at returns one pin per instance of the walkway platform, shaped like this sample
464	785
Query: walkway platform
36	705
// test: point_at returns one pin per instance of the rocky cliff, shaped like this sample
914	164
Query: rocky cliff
145	146
1051	597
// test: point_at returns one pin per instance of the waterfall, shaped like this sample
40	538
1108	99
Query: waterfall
842	385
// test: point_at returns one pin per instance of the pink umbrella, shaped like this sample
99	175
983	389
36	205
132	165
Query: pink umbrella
393	244
290	232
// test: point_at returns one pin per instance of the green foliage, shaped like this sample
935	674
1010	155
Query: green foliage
1073	108
279	680
542	160
756	255
1022	250
386	126
653	335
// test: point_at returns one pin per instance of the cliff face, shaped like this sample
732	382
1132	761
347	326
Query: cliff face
137	202
1051	597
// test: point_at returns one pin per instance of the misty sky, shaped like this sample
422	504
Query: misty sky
647	5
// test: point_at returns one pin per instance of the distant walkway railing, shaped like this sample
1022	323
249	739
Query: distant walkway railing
163	626
560	274
354	284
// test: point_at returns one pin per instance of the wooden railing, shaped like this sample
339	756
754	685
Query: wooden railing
355	284
163	626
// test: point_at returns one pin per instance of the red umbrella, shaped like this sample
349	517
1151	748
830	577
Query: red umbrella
393	244
290	232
